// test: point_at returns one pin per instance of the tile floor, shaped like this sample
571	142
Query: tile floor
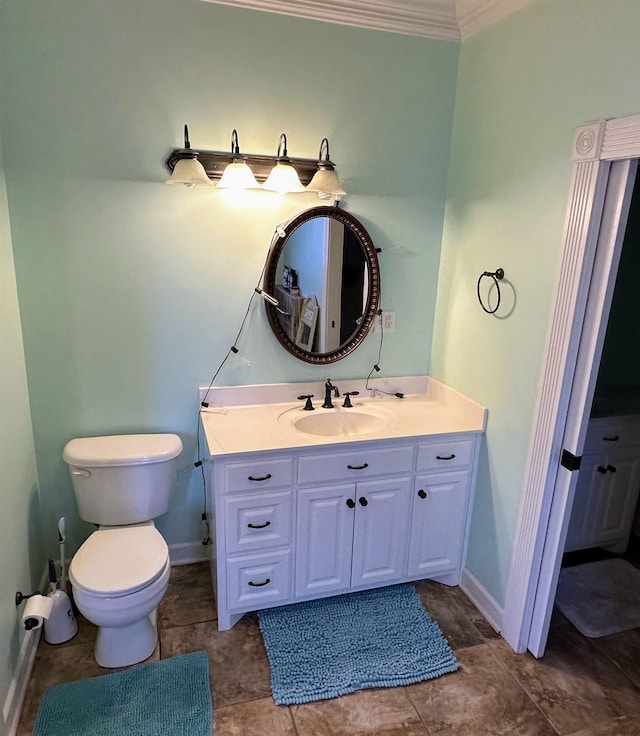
581	686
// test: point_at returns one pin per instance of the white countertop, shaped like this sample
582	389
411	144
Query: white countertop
232	428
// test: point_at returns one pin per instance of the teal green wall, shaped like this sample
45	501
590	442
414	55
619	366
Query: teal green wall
21	547
523	87
132	292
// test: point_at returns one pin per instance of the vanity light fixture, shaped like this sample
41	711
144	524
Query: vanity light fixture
187	170
283	178
237	175
194	168
325	180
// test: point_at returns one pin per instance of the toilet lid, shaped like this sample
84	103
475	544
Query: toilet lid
119	560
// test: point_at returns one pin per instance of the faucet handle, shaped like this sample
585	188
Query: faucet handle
347	398
308	405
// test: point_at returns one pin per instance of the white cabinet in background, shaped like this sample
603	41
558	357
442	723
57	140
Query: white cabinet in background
301	524
608	485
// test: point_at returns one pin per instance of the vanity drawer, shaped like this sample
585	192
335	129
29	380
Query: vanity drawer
255	581
259	521
259	475
355	465
608	433
445	455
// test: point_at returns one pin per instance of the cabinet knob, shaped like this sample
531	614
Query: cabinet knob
358	467
259	480
612	468
601	469
445	457
351	503
363	501
422	494
615	438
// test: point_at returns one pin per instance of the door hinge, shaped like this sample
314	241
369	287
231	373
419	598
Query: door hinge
570	461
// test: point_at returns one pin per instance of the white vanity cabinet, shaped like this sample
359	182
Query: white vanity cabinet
608	485
310	522
440	506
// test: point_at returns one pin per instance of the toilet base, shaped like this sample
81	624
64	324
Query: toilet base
125	645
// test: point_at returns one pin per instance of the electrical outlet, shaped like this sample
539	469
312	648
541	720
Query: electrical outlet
386	321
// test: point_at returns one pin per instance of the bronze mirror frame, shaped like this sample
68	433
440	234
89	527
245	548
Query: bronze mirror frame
371	260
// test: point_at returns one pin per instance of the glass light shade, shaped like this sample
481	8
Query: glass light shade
326	183
191	173
283	179
238	175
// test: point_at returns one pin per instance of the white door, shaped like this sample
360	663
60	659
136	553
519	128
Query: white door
582	384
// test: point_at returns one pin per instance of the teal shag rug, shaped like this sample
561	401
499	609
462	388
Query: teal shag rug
333	646
171	697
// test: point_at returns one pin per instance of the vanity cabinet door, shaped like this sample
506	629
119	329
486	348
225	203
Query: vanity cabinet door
324	536
579	533
616	501
605	499
381	531
438	523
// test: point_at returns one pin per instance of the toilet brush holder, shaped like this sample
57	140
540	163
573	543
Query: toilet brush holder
61	624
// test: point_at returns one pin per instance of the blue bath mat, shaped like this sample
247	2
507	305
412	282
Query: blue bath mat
166	698
334	646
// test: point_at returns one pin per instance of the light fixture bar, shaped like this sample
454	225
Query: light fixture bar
215	162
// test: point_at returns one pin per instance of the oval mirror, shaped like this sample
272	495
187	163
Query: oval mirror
324	273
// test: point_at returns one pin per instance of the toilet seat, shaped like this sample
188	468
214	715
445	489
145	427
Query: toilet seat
118	561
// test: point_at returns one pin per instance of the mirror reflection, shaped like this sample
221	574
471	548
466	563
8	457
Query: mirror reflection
324	274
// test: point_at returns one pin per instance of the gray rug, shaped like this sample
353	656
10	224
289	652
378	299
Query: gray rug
600	598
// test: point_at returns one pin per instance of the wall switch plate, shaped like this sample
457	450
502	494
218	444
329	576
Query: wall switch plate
386	321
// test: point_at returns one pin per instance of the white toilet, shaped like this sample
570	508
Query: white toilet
121	572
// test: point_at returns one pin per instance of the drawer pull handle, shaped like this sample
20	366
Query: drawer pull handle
615	438
264	477
612	468
358	467
601	469
422	494
363	501
259	526
351	503
439	457
259	585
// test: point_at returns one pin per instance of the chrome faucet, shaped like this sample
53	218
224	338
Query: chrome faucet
329	389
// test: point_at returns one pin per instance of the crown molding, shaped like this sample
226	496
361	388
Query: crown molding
476	15
448	20
426	18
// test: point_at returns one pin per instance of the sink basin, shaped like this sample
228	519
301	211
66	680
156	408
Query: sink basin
337	423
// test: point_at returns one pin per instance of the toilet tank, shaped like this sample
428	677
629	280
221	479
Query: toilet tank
122	479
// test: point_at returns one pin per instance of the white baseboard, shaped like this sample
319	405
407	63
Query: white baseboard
17	689
482	600
187	553
20	680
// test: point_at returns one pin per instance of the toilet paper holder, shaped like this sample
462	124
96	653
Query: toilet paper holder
22	597
29	623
